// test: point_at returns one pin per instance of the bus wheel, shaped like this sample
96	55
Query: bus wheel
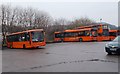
24	46
80	39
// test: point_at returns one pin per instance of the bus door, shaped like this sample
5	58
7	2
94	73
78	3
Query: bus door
24	40
104	36
87	36
94	35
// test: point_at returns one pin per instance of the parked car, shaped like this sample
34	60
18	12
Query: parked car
113	46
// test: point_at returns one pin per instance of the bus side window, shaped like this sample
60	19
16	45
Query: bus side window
87	33
82	33
22	37
13	38
93	33
32	33
27	36
16	37
76	34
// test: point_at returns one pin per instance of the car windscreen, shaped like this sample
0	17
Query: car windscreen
116	39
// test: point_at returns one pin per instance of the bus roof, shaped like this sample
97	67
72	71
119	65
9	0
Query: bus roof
89	26
77	30
25	31
57	32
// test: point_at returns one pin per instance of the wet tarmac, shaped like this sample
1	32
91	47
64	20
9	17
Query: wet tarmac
60	57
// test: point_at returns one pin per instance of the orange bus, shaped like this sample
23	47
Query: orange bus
80	35
113	34
26	39
101	33
102	30
58	36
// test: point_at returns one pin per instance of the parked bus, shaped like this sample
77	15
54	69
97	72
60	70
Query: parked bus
88	34
113	34
102	30
101	33
58	36
26	39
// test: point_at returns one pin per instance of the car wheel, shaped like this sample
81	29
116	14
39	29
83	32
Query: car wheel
109	53
118	52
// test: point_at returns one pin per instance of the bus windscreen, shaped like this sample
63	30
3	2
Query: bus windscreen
37	36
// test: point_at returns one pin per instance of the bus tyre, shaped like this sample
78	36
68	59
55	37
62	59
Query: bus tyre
80	39
24	46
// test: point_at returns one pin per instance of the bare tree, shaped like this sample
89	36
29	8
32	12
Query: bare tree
42	20
84	21
58	25
4	19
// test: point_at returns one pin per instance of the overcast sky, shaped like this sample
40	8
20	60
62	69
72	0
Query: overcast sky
69	10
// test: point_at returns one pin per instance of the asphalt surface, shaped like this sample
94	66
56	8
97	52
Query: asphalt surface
60	57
